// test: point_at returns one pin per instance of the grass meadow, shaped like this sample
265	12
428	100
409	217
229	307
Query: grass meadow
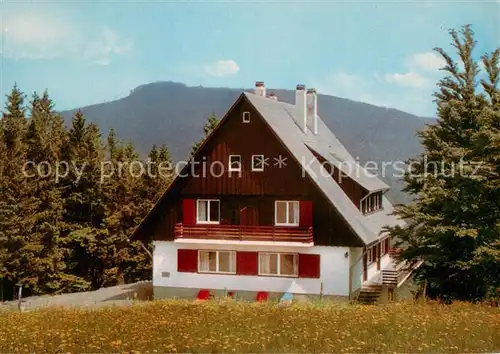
230	326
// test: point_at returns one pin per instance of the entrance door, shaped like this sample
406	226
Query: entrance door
249	216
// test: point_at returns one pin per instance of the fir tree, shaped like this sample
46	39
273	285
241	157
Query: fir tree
16	204
44	264
455	213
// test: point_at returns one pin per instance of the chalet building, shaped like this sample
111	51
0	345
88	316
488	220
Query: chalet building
271	203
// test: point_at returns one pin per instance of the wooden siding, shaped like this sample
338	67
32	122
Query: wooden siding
350	187
257	189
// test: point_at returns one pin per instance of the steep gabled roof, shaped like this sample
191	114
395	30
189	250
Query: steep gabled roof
280	116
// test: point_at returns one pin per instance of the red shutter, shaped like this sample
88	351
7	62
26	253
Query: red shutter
387	245
309	265
189	211
246	263
306	215
187	261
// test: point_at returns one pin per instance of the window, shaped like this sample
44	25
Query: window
372	253
286	213
207	211
371	203
217	262
257	162
385	246
246	117
234	163
279	264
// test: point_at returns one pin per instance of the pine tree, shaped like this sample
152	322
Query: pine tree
209	126
16	205
449	224
44	267
486	260
84	203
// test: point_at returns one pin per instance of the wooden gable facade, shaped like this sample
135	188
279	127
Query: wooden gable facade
207	177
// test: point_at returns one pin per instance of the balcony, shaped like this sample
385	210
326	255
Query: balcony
244	233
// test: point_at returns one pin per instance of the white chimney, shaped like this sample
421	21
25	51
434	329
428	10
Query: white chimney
301	107
260	90
312	109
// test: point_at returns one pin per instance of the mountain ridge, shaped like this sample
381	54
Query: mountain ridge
173	113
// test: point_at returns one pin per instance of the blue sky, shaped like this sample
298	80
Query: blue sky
375	52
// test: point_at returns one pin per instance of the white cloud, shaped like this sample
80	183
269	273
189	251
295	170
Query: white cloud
422	71
109	43
426	61
410	78
40	36
35	36
221	68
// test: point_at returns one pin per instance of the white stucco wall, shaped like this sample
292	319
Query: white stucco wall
385	261
334	270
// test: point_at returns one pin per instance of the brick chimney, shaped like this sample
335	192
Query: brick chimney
260	90
301	107
312	109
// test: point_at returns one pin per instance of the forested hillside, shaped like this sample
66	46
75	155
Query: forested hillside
174	113
69	231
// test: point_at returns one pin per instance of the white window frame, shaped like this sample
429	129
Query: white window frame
198	221
288	202
232	259
230	168
258	169
278	258
246	117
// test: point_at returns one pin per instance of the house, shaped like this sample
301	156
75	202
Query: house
271	203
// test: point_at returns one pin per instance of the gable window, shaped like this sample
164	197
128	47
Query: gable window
286	213
234	163
278	264
217	262
208	211
246	117
371	203
257	162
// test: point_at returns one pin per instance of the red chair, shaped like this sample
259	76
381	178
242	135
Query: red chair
262	296
204	294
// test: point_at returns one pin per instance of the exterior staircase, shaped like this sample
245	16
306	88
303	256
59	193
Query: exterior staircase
369	294
390	278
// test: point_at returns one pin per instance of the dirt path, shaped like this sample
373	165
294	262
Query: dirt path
120	295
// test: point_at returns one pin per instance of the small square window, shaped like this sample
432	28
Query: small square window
234	163
258	162
246	117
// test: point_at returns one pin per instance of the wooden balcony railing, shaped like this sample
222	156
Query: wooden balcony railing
244	233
